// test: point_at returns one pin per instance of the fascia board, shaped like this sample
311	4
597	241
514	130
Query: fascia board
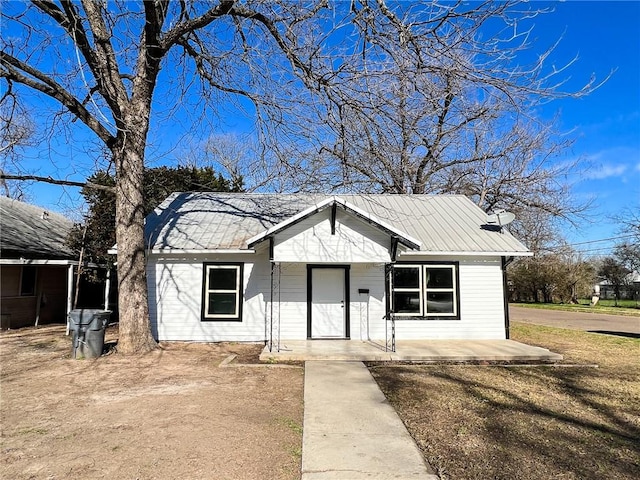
426	253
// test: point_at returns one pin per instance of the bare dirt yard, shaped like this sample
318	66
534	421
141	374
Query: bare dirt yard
573	422
173	413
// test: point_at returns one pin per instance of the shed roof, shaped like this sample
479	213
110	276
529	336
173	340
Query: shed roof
29	231
201	221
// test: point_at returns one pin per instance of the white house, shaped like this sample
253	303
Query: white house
273	267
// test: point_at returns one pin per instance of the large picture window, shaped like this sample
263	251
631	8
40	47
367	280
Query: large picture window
222	291
425	290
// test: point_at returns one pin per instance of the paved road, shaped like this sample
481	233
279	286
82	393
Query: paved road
591	322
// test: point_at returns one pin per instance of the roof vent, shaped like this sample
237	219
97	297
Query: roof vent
45	215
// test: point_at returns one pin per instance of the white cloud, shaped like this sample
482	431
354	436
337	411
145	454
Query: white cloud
606	171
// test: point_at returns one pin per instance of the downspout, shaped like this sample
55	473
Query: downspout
506	261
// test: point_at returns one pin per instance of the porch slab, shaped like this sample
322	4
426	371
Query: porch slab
408	351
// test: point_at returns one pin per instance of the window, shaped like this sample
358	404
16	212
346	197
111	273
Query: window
28	281
407	293
425	290
222	291
440	290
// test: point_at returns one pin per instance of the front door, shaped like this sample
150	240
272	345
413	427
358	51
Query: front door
328	304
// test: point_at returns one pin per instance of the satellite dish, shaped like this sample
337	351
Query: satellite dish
500	218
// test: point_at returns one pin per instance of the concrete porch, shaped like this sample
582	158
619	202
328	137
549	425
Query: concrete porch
409	350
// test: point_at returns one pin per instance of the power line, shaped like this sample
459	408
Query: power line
558	247
595	241
594	250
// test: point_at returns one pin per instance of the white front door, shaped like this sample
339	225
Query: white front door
328	303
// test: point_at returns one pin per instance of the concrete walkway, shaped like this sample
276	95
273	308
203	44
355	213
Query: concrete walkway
350	431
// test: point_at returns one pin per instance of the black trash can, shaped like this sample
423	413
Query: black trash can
88	326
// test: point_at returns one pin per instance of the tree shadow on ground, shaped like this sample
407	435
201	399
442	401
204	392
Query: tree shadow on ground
519	423
617	334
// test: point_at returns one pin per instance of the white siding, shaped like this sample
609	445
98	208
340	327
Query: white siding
293	302
481	305
175	299
367	310
311	241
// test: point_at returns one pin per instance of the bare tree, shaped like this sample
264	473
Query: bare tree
614	271
381	98
450	112
628	250
16	132
101	63
562	275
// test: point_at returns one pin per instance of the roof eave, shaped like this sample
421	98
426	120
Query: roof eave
467	253
213	251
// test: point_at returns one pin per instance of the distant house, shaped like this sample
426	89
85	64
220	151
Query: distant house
630	290
36	266
272	267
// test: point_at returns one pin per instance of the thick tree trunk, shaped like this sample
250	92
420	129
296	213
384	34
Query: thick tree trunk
135	328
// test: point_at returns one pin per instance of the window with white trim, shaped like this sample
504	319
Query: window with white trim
425	290
222	291
407	290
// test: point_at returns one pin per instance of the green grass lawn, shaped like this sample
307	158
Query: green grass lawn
498	422
625	307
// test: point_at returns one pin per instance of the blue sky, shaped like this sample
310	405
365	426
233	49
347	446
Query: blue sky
605	36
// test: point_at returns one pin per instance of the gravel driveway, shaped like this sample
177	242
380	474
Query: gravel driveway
591	322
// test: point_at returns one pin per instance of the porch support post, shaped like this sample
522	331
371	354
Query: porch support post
270	325
278	278
394	248
69	293
334	207
390	340
38	295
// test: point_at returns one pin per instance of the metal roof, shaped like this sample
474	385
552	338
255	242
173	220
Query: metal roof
30	231
200	221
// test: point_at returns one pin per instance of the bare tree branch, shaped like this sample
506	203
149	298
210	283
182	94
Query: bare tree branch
11	68
55	181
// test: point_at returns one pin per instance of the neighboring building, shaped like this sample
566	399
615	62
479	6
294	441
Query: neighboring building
272	267
629	291
36	266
